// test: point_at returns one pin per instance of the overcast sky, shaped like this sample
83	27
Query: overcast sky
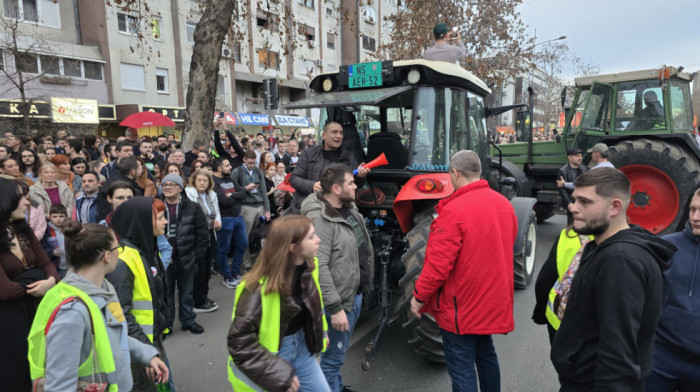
621	35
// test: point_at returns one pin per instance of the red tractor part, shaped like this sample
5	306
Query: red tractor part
654	199
430	186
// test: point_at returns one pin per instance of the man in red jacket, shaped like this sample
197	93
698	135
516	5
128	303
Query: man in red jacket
467	279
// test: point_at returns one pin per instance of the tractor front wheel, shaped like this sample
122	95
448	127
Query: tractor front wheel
524	262
424	332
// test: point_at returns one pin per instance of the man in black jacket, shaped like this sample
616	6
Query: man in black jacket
306	177
566	177
128	170
605	339
188	234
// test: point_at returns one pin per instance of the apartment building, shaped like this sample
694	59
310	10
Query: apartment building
109	63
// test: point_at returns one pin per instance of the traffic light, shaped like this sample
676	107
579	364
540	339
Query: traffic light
271	94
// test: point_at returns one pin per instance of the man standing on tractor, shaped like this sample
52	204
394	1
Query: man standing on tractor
306	176
606	336
567	175
442	50
469	298
599	155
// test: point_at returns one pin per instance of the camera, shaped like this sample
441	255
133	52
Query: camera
455	31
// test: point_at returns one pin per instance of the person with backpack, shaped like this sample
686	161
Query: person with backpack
80	318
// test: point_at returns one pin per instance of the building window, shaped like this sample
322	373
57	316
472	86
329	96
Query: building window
221	87
236	53
268	59
330	40
369	43
27	63
50	65
308	32
307	3
43	12
267	20
132	77
71	67
162	80
157	28
329	9
2	60
189	29
93	70
369	14
128	24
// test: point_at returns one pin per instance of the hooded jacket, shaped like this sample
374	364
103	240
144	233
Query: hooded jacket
191	238
680	315
133	223
605	339
69	337
338	260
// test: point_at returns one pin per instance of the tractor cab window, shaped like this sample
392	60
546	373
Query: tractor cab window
681	110
441	127
597	111
639	106
578	110
477	134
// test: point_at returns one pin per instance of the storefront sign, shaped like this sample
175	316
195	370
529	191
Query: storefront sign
230	118
292	121
254	119
175	114
107	112
15	108
74	111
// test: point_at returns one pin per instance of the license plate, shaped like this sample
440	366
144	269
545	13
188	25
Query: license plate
365	75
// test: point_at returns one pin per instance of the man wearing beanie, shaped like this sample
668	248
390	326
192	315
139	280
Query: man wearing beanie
442	50
188	233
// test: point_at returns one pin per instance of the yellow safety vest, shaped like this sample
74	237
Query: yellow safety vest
269	335
142	300
45	314
566	250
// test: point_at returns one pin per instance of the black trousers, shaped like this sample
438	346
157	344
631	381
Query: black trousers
203	272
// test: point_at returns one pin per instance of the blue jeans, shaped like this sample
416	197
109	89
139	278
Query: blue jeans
461	352
294	351
334	357
232	228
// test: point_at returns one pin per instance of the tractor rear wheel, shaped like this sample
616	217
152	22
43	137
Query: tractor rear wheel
425	333
663	177
524	262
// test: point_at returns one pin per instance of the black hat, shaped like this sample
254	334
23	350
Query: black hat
574	151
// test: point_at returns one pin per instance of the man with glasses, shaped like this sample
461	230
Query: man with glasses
187	232
255	204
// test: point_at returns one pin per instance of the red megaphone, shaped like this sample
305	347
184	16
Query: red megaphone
378	161
285	185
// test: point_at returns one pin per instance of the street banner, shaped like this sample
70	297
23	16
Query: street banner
293	121
253	119
74	111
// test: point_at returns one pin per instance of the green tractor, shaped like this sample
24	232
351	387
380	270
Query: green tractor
644	117
418	114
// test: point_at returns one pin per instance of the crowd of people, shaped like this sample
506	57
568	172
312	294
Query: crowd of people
95	239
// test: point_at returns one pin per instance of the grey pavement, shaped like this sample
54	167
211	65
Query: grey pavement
199	361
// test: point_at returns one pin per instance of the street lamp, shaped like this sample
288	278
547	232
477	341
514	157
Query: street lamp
551	40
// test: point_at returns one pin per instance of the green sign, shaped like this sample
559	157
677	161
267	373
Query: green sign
365	75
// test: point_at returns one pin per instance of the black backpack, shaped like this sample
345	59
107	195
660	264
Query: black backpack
257	236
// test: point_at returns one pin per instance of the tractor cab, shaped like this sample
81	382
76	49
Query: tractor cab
417	113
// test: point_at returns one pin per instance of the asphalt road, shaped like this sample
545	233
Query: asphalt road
199	361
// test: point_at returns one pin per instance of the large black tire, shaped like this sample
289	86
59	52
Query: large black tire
424	332
524	262
663	177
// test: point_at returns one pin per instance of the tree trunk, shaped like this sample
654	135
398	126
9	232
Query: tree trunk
204	71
